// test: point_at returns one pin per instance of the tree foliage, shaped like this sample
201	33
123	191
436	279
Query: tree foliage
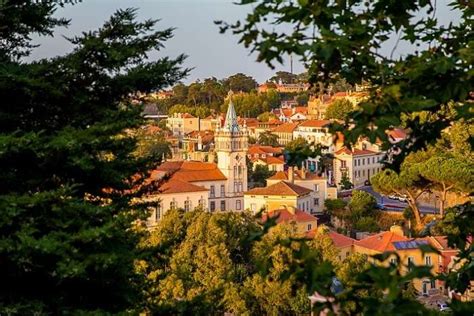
339	109
67	230
268	139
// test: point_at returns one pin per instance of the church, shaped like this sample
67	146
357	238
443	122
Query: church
211	186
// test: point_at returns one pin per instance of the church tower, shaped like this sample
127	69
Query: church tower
231	145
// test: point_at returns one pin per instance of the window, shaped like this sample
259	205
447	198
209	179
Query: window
411	261
222	190
428	260
187	205
316	201
343	164
363	161
173	204
307	205
363	173
393	261
158	212
212	193
238	205
222	205
212	206
202	202
240	171
253	207
310	226
316	188
347	253
235	171
373	159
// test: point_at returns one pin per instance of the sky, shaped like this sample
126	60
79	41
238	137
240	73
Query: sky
210	53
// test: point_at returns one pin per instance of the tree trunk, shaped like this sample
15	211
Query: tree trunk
416	212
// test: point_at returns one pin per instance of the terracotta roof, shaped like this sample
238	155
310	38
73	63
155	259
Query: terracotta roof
381	242
285	128
192	171
206	136
280	188
283	175
355	152
274	160
287	216
340	94
340	240
187	115
397	133
177	186
258	149
315	123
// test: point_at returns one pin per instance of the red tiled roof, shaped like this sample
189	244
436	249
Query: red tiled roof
340	240
258	149
192	171
397	133
187	115
286	216
355	152
315	123
285	128
280	188
174	186
381	242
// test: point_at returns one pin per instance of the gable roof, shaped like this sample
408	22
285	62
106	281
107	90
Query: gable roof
192	171
280	188
174	186
285	128
340	240
381	242
315	123
286	216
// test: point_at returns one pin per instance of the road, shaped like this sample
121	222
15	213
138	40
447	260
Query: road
425	208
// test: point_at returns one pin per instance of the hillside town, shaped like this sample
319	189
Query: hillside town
225	162
236	158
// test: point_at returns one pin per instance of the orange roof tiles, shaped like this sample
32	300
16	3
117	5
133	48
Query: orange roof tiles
340	240
286	216
381	242
280	188
178	186
192	171
258	149
397	133
187	115
285	128
355	152
315	123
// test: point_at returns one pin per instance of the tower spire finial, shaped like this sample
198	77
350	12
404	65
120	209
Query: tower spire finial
231	123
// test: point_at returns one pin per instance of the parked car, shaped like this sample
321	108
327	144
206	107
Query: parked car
402	198
443	307
393	197
380	206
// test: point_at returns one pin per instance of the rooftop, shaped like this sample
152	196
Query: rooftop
315	123
280	188
287	216
355	152
381	242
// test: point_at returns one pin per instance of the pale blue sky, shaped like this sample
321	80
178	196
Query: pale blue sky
210	53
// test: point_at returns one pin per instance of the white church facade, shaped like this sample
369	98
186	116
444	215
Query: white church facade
211	186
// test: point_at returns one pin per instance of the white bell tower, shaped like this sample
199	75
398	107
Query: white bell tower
231	145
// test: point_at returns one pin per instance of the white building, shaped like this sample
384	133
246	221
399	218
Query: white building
358	164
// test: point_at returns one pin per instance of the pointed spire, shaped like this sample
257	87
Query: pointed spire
231	123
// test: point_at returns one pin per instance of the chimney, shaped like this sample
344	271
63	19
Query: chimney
291	176
396	229
303	172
